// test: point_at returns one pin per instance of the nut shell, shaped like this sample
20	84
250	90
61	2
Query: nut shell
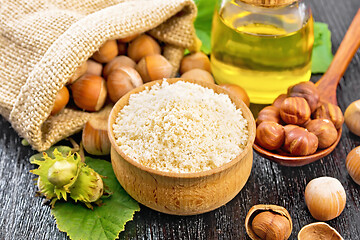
308	91
237	91
195	60
154	67
269	113
324	130
295	110
106	52
270	135
318	231
300	142
142	46
94	68
331	112
281	229
325	198
118	62
199	74
353	164
61	99
352	117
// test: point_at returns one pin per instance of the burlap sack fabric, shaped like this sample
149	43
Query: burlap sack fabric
43	42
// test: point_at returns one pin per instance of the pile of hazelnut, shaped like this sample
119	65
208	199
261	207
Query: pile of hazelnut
115	69
298	123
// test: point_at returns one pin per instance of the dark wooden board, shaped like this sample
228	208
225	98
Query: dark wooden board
22	216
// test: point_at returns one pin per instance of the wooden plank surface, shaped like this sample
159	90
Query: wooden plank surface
22	216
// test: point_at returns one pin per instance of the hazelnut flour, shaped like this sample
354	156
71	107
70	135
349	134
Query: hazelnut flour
181	127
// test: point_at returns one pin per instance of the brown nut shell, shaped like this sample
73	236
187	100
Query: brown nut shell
106	52
295	110
195	60
324	130
154	67
198	74
142	46
237	91
318	231
352	117
118	62
279	100
61	99
331	112
269	113
94	68
270	135
300	142
353	164
281	228
308	91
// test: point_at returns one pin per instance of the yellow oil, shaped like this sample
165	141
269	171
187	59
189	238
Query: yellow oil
263	54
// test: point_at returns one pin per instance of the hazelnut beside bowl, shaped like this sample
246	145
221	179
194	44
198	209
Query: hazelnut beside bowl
182	193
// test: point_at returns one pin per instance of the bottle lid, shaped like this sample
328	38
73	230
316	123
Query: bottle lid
269	3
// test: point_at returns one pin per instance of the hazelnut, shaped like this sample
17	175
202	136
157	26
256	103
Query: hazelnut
129	38
299	141
121	81
269	113
89	92
295	110
117	62
106	52
353	164
195	60
198	74
81	70
61	99
237	91
279	100
318	230
270	135
352	117
325	198
142	46
331	112
154	67
269	222
308	91
324	130
94	68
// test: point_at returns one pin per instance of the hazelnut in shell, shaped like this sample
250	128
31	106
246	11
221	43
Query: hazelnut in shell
325	131
308	91
154	67
117	62
352	117
94	68
353	164
331	112
89	92
198	74
269	113
106	52
295	110
299	141
195	60
237	91
268	222
94	136
325	198
318	231
121	81
61	99
129	38
142	46
270	135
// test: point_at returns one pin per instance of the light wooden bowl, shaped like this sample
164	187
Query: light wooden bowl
182	193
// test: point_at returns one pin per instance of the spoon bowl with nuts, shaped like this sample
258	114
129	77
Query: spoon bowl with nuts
302	140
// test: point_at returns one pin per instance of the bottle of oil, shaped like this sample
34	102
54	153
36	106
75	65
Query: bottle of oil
263	46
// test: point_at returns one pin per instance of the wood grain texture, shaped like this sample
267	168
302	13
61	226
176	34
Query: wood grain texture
22	216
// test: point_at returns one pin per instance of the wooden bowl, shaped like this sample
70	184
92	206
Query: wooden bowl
182	193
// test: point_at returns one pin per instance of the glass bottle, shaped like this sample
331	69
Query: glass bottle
263	46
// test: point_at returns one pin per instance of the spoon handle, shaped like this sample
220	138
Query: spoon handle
328	83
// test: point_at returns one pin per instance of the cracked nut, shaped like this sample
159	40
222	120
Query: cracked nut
318	231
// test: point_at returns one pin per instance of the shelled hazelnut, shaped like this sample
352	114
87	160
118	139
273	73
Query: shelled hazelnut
270	135
331	112
295	110
324	130
269	113
308	91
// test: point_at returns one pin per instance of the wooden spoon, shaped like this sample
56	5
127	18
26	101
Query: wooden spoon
327	88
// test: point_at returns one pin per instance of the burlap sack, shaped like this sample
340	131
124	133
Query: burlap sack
43	42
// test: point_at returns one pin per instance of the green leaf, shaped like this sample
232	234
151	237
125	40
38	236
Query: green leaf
104	222
50	152
203	22
321	55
